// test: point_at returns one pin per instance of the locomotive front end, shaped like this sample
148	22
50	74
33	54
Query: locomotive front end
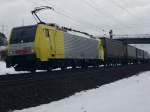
21	47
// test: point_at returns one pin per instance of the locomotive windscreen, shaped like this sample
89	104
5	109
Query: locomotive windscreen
23	34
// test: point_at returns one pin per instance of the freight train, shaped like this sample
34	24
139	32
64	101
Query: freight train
44	46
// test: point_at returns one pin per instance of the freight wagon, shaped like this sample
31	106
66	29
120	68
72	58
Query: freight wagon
114	51
146	56
140	54
131	54
117	52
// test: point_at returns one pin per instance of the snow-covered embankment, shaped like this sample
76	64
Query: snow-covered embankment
127	95
5	71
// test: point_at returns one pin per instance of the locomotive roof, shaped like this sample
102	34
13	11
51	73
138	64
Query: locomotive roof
24	26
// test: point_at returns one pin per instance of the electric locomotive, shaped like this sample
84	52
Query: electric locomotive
45	46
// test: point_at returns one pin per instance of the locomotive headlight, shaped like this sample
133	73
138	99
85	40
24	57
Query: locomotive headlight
32	50
29	49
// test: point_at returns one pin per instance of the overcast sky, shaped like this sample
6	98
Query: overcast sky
93	16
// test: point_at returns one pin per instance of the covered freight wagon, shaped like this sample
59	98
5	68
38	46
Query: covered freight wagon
146	57
140	54
114	51
131	54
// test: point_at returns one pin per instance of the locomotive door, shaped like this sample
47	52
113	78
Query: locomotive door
52	34
51	38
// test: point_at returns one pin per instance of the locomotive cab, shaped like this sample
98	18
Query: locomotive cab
21	46
31	46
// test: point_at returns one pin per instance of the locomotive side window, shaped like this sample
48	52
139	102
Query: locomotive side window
23	34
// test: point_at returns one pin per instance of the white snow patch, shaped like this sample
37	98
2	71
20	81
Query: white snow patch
127	95
5	71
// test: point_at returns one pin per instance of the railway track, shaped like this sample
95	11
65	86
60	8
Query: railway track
19	91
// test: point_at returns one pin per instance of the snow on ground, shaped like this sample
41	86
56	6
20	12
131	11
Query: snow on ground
127	95
5	71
